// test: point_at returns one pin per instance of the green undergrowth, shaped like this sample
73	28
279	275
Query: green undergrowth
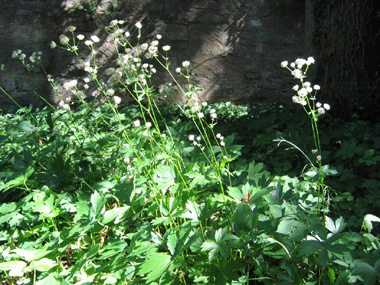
98	190
79	206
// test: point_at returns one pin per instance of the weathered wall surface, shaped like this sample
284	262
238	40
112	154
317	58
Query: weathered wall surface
235	47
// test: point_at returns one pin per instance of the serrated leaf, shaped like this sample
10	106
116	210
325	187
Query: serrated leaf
155	266
97	202
213	249
235	193
258	195
323	258
192	213
172	243
244	219
293	228
335	227
114	215
165	176
309	247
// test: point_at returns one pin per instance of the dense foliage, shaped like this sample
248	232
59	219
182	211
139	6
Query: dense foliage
162	193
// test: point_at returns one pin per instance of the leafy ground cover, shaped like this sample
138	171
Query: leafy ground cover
79	206
156	193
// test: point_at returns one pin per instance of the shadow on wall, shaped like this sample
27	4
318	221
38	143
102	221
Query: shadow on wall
235	47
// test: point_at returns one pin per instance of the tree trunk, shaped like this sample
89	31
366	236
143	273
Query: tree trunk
344	46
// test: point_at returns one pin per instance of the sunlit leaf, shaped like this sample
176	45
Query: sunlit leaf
114	215
32	254
293	228
16	267
42	265
368	219
97	202
155	266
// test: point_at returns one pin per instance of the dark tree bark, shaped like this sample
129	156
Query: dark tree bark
344	41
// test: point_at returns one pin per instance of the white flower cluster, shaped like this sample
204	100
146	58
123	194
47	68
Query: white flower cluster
305	91
221	138
148	125
70	85
88	68
196	141
63	105
297	65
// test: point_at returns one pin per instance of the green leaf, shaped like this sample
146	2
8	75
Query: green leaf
213	249
31	255
244	219
155	266
235	193
192	213
16	267
102	186
42	265
335	227
49	280
368	219
8	208
7	217
293	228
309	247
323	258
114	214
165	176
97	202
331	275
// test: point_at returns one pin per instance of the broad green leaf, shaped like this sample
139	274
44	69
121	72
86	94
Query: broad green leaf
309	247
97	202
155	266
293	228
368	219
8	208
165	176
212	247
235	193
114	214
16	267
254	169
276	211
22	176
49	280
335	227
244	219
323	258
7	217
172	242
42	265
258	195
102	186
192	213
31	255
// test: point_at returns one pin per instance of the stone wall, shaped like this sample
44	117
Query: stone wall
235	47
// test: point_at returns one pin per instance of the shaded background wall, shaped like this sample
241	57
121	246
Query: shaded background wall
235	47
